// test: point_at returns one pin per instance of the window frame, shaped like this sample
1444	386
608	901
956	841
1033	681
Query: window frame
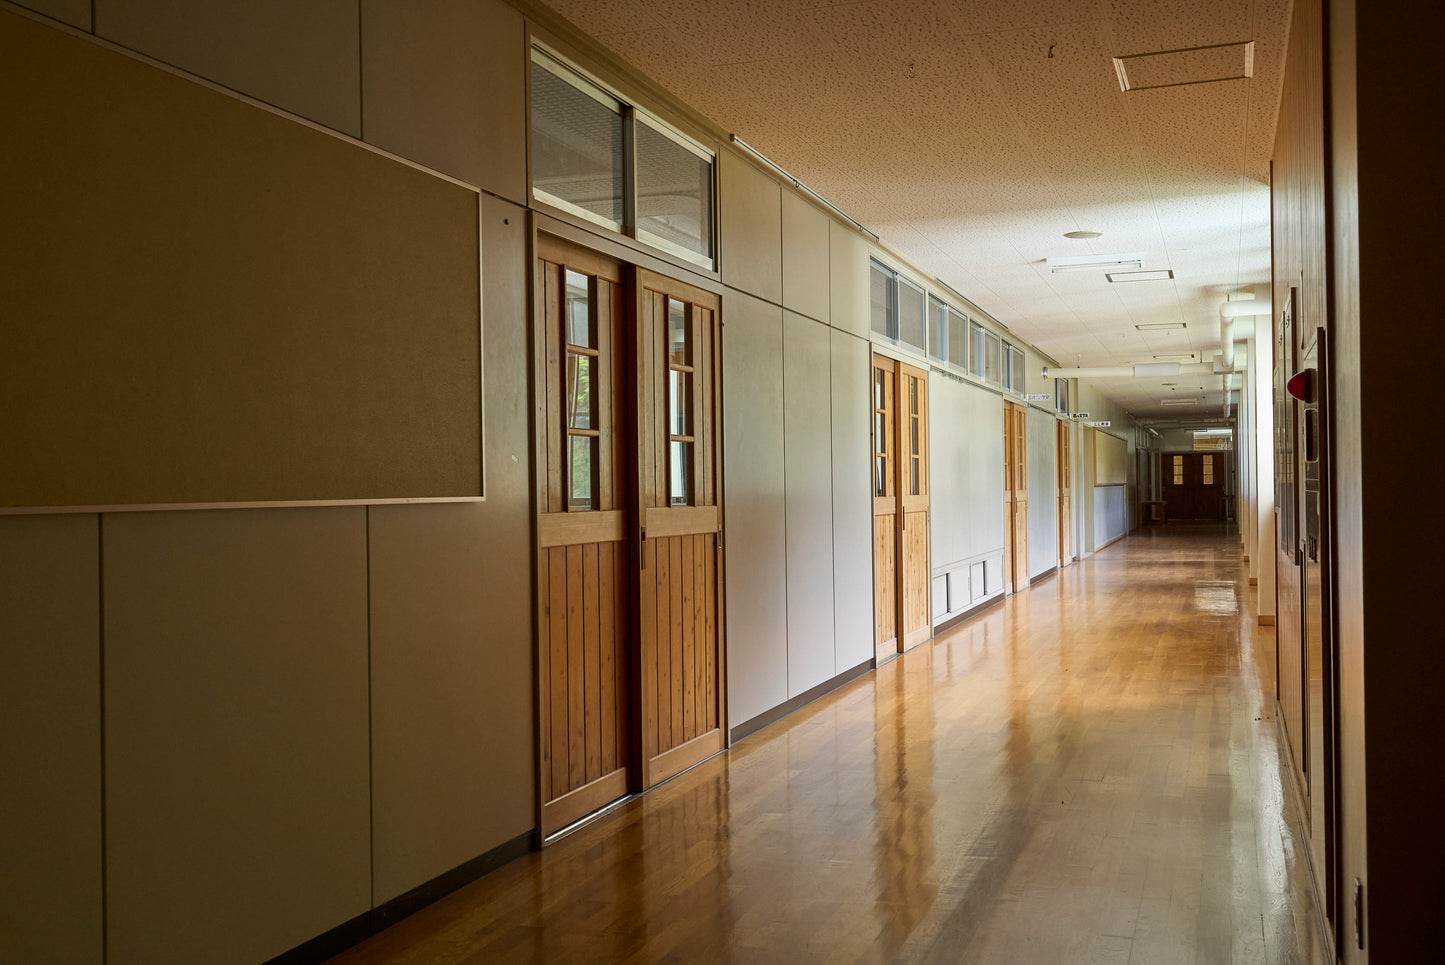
560	67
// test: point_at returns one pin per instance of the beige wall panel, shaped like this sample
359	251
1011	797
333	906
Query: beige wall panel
805	258
750	228
852	503
50	836
74	12
237	799
209	302
847	279
965	438
756	548
451	625
1043	486
301	57
443	83
808	476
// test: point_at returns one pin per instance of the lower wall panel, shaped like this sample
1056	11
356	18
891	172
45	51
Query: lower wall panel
237	779
1111	516
755	550
50	763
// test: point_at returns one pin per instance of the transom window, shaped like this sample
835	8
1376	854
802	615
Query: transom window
896	306
603	160
1013	368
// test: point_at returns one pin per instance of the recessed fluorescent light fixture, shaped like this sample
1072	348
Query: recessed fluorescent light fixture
1178	401
1160	326
1095	262
1177	357
1077	235
1155	274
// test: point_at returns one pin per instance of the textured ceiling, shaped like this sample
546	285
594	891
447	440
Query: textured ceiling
970	136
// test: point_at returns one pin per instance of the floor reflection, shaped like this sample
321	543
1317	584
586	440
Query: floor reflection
1086	772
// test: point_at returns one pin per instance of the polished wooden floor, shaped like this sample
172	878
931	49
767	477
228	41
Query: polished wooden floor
1089	772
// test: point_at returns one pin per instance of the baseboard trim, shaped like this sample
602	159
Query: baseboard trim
749	727
1043	576
331	943
968	614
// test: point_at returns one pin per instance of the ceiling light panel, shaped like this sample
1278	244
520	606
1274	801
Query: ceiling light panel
1158	274
1180	68
1179	401
1161	326
1095	262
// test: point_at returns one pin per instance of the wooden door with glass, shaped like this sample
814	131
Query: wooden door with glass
628	530
1016	496
679	526
1066	512
901	575
584	596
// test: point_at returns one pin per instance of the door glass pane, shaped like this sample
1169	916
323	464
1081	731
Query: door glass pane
679	422
880	388
581	402
576	145
914	441
674	191
679	349
680	457
582	465
915	476
579	310
880	475
912	396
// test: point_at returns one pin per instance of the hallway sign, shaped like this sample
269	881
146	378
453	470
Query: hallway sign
1078	415
1038	397
1104	424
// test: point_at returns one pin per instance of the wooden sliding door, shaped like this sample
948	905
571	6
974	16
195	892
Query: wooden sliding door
901	574
1016	497
583	563
679	616
629	576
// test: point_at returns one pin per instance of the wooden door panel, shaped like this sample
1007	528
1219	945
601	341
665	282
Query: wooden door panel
583	606
680	685
885	585
917	606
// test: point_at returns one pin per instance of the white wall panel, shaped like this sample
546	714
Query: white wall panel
301	57
1043	446
443	83
847	280
750	228
807	414
755	544
852	503
1111	518
236	738
966	477
50	764
805	257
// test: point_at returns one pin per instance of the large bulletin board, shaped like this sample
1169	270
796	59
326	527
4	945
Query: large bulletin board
206	302
1111	460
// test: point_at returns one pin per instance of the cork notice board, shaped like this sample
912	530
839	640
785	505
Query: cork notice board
205	302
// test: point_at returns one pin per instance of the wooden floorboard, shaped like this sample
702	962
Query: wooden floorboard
1087	773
